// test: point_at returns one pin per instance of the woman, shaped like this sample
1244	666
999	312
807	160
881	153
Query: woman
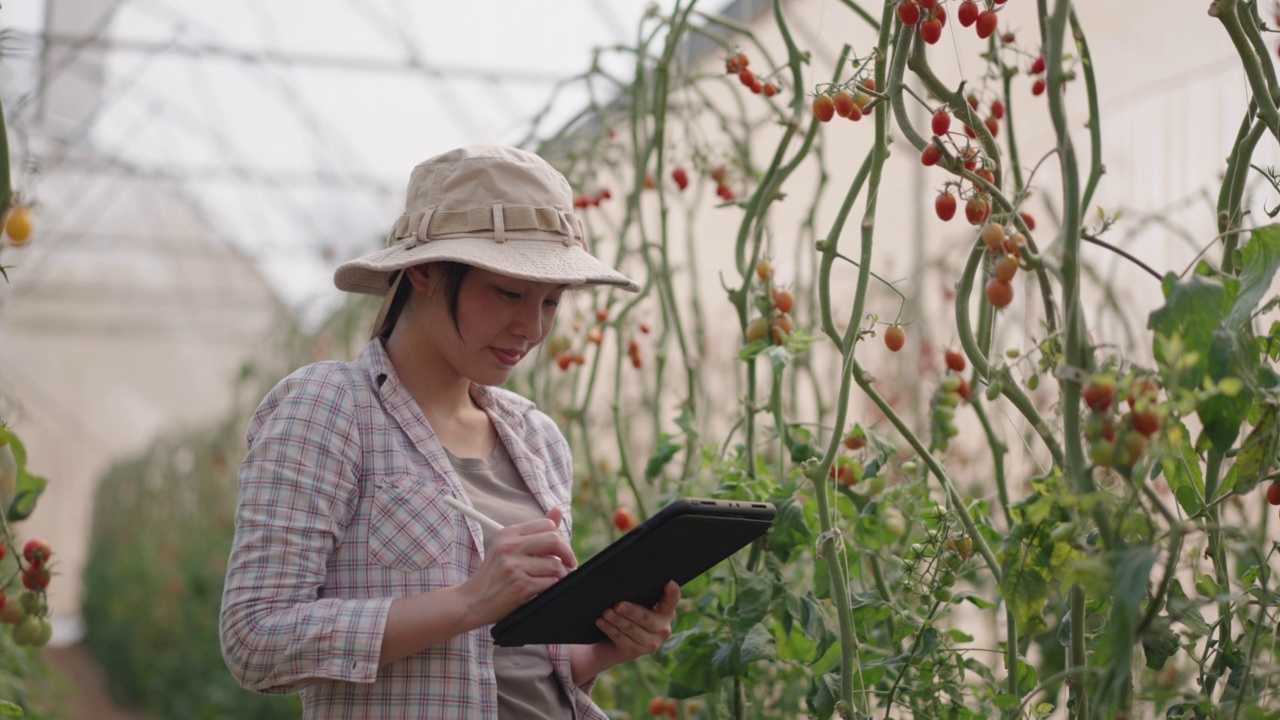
351	579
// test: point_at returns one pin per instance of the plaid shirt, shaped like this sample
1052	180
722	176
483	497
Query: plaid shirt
341	509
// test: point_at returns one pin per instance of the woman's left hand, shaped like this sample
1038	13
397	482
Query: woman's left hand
633	630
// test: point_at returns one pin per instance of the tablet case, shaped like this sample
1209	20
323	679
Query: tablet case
680	542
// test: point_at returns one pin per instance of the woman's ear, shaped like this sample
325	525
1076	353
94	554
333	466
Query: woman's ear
420	276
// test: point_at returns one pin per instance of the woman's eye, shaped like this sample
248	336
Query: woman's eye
508	294
552	302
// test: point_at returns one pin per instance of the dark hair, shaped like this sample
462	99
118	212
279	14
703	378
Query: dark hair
451	275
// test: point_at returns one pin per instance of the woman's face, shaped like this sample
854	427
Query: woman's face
500	320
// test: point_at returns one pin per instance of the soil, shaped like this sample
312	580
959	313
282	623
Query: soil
85	686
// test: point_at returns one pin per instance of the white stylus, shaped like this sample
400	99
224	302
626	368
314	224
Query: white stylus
474	514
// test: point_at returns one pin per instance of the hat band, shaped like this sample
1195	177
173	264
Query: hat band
498	219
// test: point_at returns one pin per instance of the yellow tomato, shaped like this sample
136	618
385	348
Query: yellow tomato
18	226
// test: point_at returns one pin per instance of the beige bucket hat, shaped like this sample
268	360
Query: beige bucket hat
498	208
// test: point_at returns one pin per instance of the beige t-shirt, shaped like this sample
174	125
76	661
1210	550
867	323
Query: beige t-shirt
527	685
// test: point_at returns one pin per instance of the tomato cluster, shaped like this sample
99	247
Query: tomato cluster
28	612
849	470
736	64
977	208
720	176
927	15
851	100
561	347
1119	440
1004	246
589	201
952	391
775	319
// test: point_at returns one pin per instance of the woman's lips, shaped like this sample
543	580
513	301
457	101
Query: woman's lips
507	357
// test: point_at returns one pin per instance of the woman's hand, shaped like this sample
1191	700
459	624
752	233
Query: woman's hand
522	561
632	630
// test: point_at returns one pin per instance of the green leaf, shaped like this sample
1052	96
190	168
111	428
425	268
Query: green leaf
687	422
1005	701
1132	573
754	593
1182	609
817	626
27	487
790	533
689	656
1192	311
1261	260
1259	452
1231	356
1186	480
661	456
823	693
973	598
1028	678
1026	591
8	709
733	657
1159	643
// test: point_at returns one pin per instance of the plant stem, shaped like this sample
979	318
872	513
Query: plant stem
6	186
1218	557
1225	11
966	519
1230	211
982	367
1096	168
1078	352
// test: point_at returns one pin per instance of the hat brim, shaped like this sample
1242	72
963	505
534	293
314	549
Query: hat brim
548	261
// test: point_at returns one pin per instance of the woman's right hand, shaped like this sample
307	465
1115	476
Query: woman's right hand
522	561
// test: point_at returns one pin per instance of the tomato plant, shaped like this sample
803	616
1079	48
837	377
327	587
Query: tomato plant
1043	547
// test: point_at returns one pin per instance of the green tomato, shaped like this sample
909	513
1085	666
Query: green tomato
1064	532
893	521
1102	452
28	631
46	633
872	486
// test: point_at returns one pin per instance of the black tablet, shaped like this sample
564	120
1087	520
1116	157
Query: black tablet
680	542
